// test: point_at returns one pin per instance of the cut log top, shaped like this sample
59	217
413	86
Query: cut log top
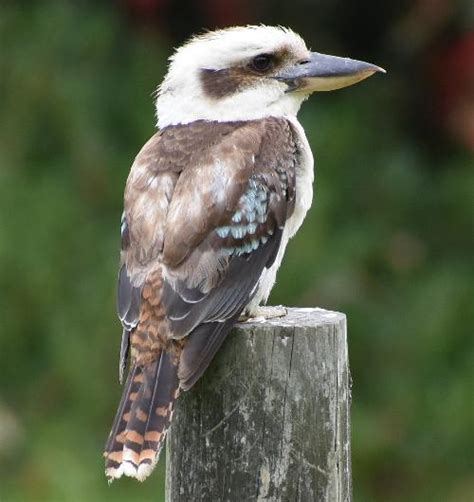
269	420
297	318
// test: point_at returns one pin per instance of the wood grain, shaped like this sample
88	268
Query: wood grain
270	419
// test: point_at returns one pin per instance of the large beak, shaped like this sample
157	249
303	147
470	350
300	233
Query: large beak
325	73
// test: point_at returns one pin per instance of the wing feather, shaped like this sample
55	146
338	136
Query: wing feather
207	204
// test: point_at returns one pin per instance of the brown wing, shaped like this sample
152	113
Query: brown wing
148	193
200	230
223	229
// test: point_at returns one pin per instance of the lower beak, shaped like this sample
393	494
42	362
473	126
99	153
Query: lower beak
326	73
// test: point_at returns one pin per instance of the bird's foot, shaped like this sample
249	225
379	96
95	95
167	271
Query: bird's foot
261	314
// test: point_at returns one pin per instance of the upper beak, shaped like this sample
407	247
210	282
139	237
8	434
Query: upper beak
325	73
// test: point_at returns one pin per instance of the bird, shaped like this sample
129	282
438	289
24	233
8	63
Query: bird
210	204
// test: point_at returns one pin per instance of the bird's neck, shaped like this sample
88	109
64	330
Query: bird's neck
185	107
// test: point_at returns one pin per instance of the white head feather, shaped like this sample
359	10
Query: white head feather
181	97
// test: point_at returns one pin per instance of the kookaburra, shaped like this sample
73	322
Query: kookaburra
210	204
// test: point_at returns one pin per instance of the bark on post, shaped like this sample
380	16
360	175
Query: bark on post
269	421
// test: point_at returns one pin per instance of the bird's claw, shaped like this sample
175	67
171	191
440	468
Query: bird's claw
262	314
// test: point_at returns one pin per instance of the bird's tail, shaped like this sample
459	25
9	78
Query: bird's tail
142	419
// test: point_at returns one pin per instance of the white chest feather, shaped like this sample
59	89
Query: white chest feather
304	197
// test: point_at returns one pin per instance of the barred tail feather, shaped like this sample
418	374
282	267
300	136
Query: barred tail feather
142	419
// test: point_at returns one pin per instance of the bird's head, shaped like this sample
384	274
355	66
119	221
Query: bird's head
249	72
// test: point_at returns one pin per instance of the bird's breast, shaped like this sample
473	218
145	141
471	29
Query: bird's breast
304	181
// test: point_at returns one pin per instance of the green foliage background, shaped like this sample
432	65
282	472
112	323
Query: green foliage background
388	241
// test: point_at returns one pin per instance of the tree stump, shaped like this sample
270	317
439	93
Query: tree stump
270	419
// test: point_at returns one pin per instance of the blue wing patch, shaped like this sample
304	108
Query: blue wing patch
247	222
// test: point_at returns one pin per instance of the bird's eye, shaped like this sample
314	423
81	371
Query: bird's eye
262	62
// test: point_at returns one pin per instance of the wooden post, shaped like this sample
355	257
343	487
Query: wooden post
269	420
